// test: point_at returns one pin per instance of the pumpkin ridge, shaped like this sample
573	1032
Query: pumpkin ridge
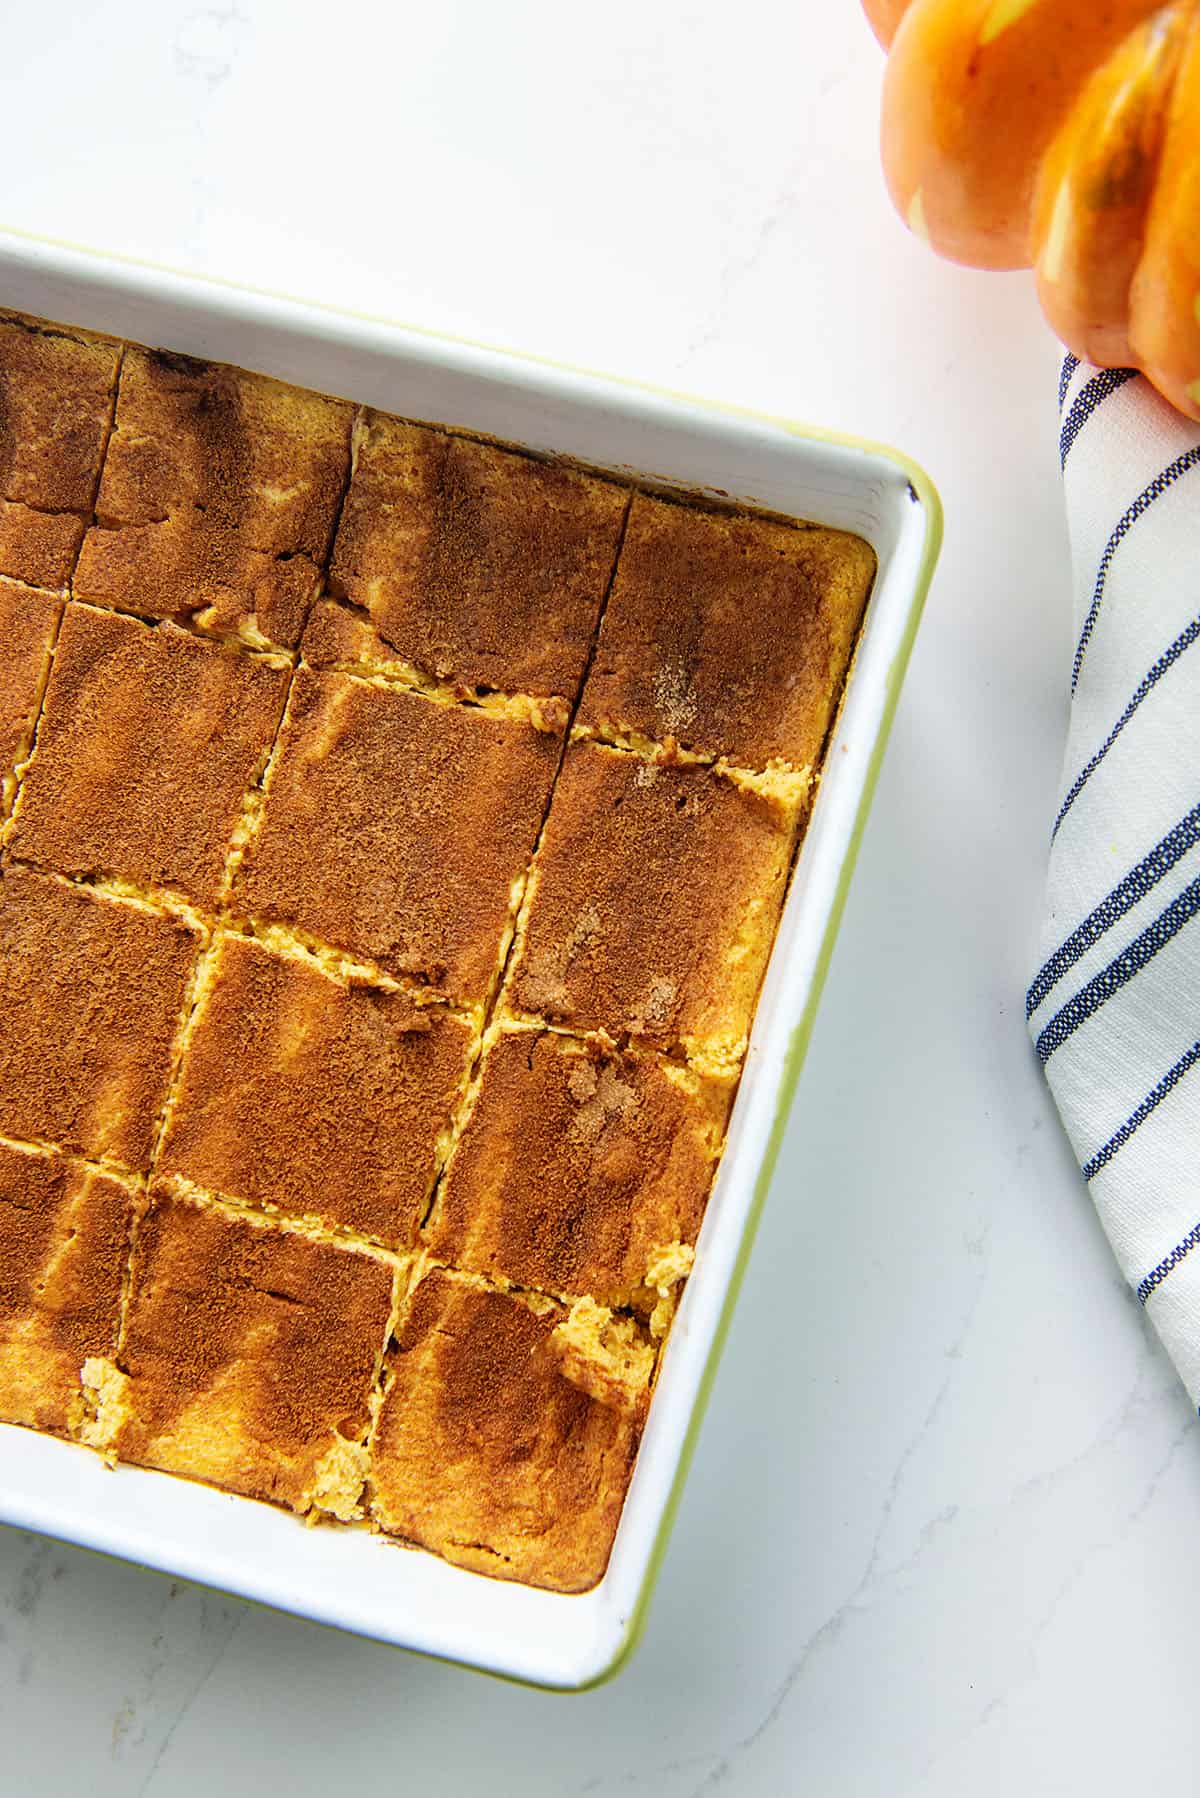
1096	184
1164	297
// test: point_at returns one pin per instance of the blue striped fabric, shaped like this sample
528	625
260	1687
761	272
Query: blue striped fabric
1096	391
1114	1007
1134	1122
1070	364
1123	967
1150	679
1162	483
1139	881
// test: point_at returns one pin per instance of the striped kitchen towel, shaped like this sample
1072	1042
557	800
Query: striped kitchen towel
1114	1009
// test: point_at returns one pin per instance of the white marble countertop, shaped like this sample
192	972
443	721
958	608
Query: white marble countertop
936	1536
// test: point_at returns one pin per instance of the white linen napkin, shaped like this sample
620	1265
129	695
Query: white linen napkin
1114	1010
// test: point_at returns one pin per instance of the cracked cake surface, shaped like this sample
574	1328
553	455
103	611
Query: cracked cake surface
64	1237
474	562
55	406
218	498
397	829
248	1354
147	744
578	1166
486	1451
28	624
728	634
627	929
92	990
323	1097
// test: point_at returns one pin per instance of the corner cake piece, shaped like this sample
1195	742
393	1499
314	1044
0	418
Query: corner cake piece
477	564
726	634
321	1098
218	498
487	1451
64	1232
91	992
247	1359
652	905
28	621
580	1170
148	743
399	829
55	407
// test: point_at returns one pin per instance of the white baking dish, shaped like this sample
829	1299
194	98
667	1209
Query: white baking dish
349	1577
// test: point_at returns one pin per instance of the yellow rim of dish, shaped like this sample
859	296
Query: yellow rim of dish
930	501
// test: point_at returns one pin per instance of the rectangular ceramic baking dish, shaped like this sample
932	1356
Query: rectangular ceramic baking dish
350	1578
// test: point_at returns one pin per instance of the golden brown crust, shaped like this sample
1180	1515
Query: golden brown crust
323	1099
654	901
39	547
478	564
339	634
64	1233
341	637
91	990
577	1166
218	498
486	1453
728	634
55	404
148	742
250	1350
396	829
28	621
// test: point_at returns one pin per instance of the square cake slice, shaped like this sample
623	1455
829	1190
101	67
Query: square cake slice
487	1450
92	990
580	1170
218	498
64	1231
653	903
727	635
325	1098
56	391
28	621
248	1357
399	829
478	564
149	741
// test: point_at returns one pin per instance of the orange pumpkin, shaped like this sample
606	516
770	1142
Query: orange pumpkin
1062	134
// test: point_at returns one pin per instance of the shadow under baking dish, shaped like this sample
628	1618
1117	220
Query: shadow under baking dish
350	1578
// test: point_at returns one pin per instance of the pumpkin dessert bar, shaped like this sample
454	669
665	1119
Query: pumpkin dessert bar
218	498
64	1235
306	1091
92	989
582	1169
399	829
28	623
727	635
248	1354
652	905
148	743
507	1431
56	388
394	828
477	564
